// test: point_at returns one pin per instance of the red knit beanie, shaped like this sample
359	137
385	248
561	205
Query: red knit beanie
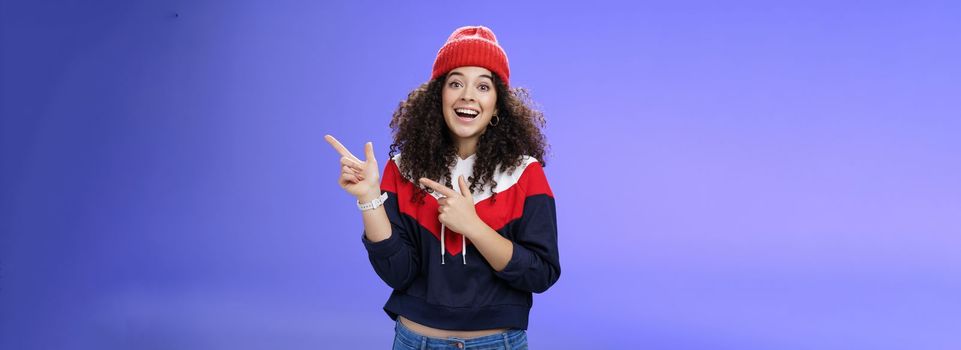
472	46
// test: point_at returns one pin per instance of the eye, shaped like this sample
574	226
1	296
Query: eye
485	87
453	83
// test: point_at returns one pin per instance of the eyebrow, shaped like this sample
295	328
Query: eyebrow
482	75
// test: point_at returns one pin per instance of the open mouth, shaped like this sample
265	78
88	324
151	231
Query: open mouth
467	114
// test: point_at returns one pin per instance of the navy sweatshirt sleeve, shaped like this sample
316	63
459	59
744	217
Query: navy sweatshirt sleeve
535	263
395	259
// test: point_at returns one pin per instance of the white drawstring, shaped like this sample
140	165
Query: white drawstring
443	253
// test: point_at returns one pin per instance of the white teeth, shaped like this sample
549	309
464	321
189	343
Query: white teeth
466	111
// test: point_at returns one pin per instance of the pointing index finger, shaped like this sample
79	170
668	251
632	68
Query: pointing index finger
437	187
340	148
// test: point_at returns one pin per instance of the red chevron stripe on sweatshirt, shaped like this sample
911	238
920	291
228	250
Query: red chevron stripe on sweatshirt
509	204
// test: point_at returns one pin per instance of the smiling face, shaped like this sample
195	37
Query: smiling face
469	103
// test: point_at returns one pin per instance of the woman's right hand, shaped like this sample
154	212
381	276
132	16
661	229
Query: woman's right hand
359	178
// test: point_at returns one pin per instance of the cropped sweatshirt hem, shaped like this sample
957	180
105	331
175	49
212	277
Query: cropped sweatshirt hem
469	318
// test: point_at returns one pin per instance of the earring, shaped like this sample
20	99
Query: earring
494	124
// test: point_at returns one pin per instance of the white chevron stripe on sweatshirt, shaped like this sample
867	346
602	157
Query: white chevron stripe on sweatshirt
465	167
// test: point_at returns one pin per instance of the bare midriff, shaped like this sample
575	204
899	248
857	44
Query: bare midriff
444	333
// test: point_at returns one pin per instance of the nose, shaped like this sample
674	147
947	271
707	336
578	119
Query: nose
467	95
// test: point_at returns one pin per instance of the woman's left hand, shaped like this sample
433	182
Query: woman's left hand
456	210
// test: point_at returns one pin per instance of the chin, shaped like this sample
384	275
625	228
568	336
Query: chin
463	133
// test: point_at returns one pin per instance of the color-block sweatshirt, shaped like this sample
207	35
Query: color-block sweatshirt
440	279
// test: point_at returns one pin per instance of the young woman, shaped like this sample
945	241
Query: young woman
468	181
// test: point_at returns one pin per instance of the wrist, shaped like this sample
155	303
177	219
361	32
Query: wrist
369	196
372	204
477	228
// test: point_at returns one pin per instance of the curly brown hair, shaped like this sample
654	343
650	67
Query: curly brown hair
428	149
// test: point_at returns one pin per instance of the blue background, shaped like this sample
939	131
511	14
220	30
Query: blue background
728	175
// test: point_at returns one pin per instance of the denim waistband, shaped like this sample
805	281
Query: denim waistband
511	336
